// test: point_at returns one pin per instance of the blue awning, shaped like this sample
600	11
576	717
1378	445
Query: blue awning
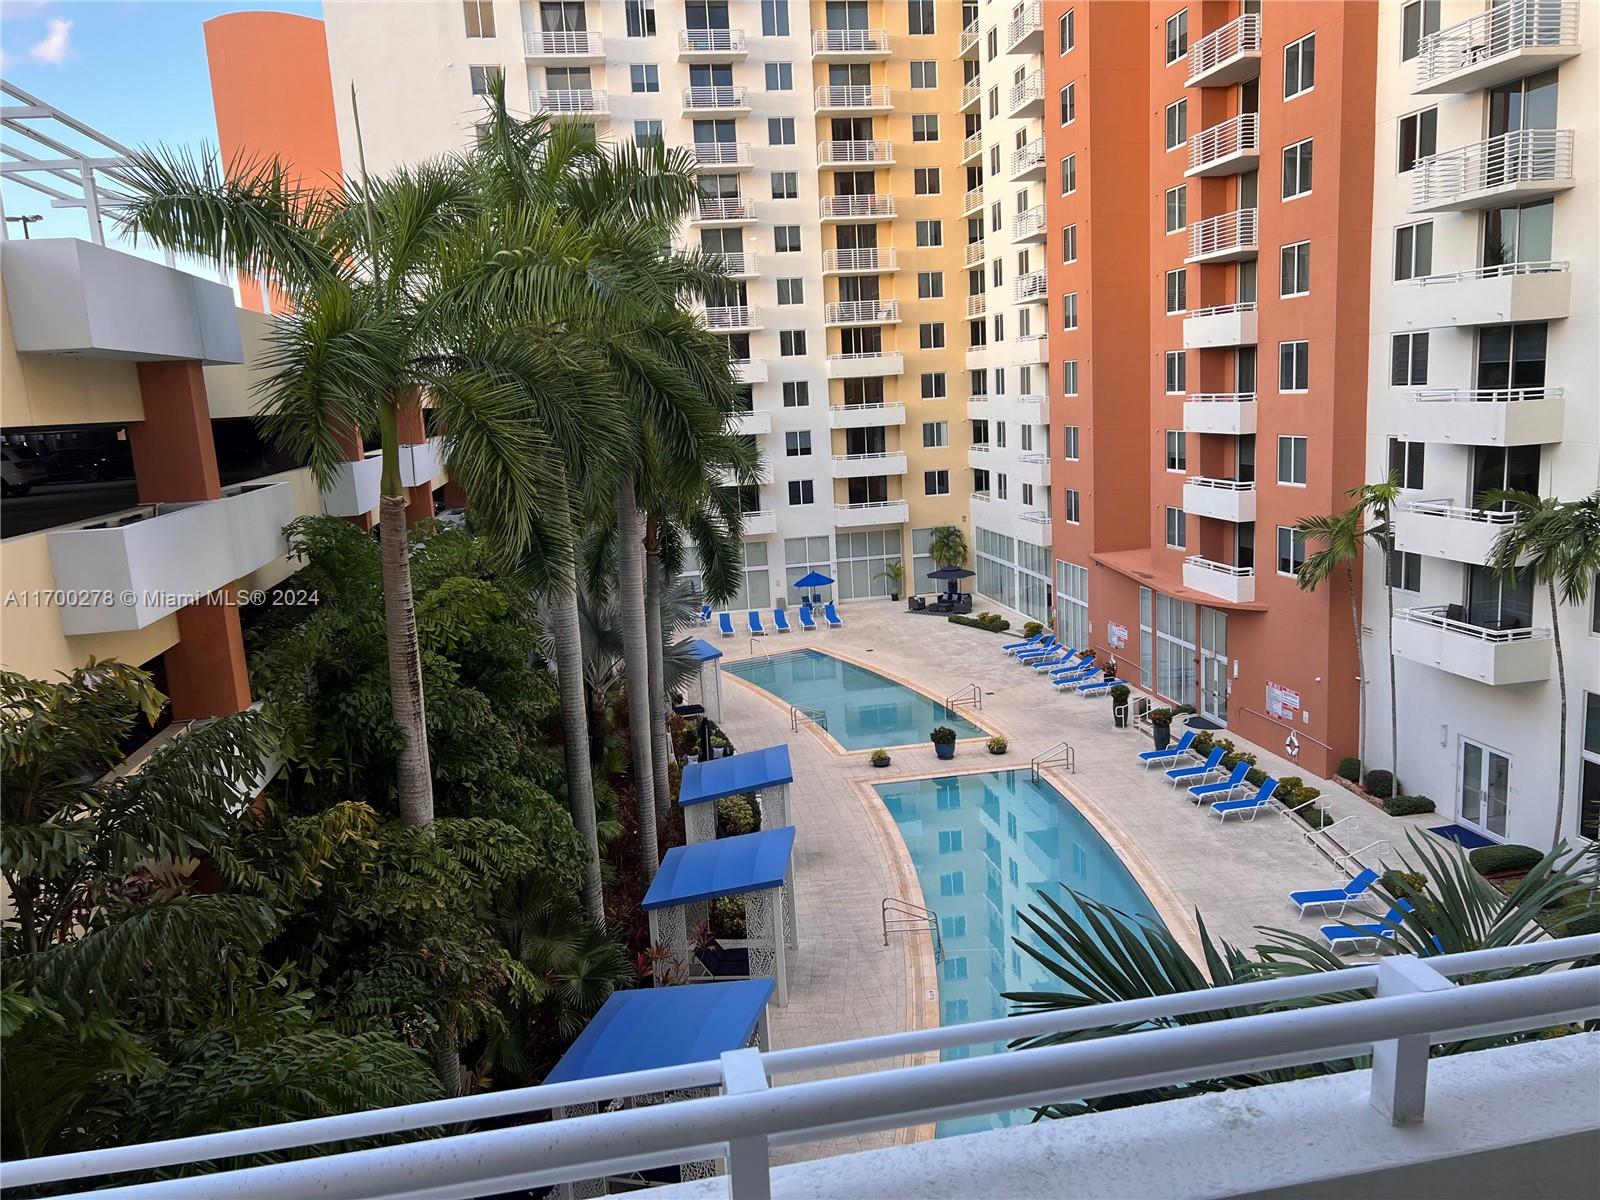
665	1027
703	650
747	772
751	862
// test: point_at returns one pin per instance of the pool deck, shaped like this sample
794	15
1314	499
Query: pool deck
848	855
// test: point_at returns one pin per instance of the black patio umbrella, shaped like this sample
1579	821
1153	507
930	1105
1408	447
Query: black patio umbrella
951	574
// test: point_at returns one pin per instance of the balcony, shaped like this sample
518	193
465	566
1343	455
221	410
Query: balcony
1032	468
971	95
1028	225
1229	147
750	370
731	318
1528	164
1229	414
865	416
980	455
1025	33
721	156
1032	288
1032	349
977	305
147	563
972	201
760	521
1441	637
1027	162
864	98
861	312
1512	292
870	260
868	207
1237	585
1222	325
857	153
723	210
849	45
738	264
564	45
421	462
711	45
1026	99
972	255
865	364
978	408
859	466
871	512
1485	417
569	102
752	423
1504	42
1227	237
1220	499
1034	526
971	147
1443	529
969	39
715	99
1230	55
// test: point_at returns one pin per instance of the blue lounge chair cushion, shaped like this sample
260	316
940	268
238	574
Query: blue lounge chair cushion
1177	750
780	619
807	621
1353	890
1211	763
1034	640
1384	929
754	618
1201	790
725	623
831	614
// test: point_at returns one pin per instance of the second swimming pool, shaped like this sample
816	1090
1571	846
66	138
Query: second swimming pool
864	710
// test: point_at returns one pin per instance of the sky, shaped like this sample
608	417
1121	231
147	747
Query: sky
133	69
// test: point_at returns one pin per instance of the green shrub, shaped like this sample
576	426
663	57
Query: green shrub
1584	922
1349	768
1032	629
1407	806
737	815
880	757
1379	784
998	745
943	736
991	622
1307	793
1160	716
1491	860
727	918
1234	757
1202	743
1255	777
1402	885
1120	693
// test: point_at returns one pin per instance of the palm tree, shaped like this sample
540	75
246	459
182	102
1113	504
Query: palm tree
1556	543
947	545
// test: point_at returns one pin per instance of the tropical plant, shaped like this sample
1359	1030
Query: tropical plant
1555	543
894	572
947	546
943	735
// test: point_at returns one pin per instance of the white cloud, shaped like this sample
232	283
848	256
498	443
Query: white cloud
56	43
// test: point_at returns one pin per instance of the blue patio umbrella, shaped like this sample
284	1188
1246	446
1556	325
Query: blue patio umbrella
815	579
952	574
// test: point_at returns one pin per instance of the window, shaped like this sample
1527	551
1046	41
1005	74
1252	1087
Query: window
994	92
1069	311
1404	571
1178	290
785	185
930	285
1177	36
930	335
1413	251
1177	208
775	18
1069	244
780	131
801	492
935	434
797	443
792	343
780	77
924	127
1177	372
1069	104
786	238
1069	377
641	18
1073	505
647	133
993	41
796	393
1177	451
1291	550
1417	20
791	291
1000	487
1177	123
1292	460
1067	30
479	78
1406	463
930	233
924	74
934	385
1418	138
1070	436
919	18
1300	66
1294	270
1408	360
1177	528
1069	174
925	181
644	77
1294	372
1297	169
936	483
480	18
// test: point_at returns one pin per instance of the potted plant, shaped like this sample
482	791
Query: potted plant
1161	727
880	758
895	572
1119	705
944	741
998	745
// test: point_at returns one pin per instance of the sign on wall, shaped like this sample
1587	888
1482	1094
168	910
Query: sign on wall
1282	703
1116	635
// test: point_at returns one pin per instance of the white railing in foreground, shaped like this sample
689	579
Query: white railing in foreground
1416	1004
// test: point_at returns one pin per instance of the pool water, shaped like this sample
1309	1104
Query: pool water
864	710
984	846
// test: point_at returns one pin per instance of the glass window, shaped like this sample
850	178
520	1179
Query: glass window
1178	290
1067	31
1069	442
797	443
1069	174
780	131
785	185
930	233
1292	459
1069	244
775	18
925	181
1291	550
925	127
930	335
936	483
1177	208
792	343
935	434
1072	505
479	77
1177	451
1406	463
1413	251
801	492
1177	36
644	77
640	17
1177	529
1069	377
1418	138
1297	169
924	74
1177	372
1404	571
1300	66
1295	270
919	17
780	77
930	285
786	238
1294	368
1408	360
1069	311
796	393
480	18
1177	124
1417	20
791	291
647	133
1069	104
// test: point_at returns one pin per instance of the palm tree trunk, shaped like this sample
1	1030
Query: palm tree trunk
1361	669
636	666
661	752
414	782
1394	695
568	639
1561	682
445	1056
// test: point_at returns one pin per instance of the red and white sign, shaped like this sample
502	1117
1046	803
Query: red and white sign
1282	703
1116	635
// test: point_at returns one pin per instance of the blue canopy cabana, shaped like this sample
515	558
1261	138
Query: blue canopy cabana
706	690
765	772
811	582
754	866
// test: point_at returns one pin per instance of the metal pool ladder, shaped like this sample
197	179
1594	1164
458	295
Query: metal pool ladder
971	694
799	715
901	916
1061	752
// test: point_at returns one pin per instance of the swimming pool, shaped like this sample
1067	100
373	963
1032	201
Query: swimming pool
984	846
864	710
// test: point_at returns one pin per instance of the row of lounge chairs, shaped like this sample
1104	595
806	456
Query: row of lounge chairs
805	614
1066	668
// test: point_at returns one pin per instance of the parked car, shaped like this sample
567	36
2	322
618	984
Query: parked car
90	464
19	470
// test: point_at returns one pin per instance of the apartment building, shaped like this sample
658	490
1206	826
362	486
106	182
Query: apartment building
1483	375
824	137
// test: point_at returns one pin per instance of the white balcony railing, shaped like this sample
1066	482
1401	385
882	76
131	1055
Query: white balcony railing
721	154
969	38
864	364
1496	272
1443	637
1028	93
972	256
869	205
861	466
977	305
1226	413
730	316
1026	26
1228	55
1032	287
1483	416
850	42
1228	235
971	146
563	43
738	263
570	101
1028	225
971	93
861	312
711	41
698	98
1475	52
863	416
870	512
1220	499
861	96
1228	147
851	152
1219	579
973	199
1220	325
865	260
724	208
1524	163
1027	160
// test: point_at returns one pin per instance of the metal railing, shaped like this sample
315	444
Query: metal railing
569	100
1226	233
1502	28
1220	485
871	258
977	305
724	208
973	199
861	312
1035	516
1029	223
1344	861
1033	286
902	916
1029	20
971	146
1237	38
850	41
1522	156
1236	135
1484	395
1060	755
874	95
729	316
1201	563
885	414
1220	310
1027	158
832	152
551	42
721	154
867	205
711	41
1461	512
1221	397
737	262
1437	616
971	93
969	38
1496	272
1029	90
715	97
868	506
971	695
799	715
972	255
862	355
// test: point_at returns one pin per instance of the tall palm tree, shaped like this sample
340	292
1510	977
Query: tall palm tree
1556	543
947	546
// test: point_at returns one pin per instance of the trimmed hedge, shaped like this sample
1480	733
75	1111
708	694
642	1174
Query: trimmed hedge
1407	806
1032	629
1491	860
1379	784
1349	768
737	815
992	622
